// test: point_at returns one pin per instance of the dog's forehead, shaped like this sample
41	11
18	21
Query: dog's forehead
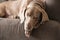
29	11
33	12
36	12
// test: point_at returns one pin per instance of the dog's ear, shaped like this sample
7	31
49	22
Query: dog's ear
44	16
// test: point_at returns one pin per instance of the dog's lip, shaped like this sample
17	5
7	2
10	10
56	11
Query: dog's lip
27	33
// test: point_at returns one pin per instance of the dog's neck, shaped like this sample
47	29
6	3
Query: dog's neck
38	3
35	2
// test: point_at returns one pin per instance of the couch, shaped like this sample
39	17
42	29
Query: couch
11	29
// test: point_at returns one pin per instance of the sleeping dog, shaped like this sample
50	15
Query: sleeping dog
10	9
33	17
30	12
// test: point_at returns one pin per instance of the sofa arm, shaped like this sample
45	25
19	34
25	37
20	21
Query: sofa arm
53	9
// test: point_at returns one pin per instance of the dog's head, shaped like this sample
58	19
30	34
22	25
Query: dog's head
34	15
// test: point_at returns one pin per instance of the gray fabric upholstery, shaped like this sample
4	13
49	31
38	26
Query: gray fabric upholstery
13	30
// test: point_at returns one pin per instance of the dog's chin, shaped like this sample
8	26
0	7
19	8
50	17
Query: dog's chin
27	34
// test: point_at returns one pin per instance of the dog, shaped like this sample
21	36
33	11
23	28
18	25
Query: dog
7	9
24	6
10	9
33	17
29	12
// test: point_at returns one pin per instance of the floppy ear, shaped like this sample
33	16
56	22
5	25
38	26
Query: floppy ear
44	16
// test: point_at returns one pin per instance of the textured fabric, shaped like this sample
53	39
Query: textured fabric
13	30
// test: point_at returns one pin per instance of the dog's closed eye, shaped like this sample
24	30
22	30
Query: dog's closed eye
28	14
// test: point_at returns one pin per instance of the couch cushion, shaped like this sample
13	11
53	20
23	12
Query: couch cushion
13	30
53	9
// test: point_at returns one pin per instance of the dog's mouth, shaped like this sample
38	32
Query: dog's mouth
27	33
